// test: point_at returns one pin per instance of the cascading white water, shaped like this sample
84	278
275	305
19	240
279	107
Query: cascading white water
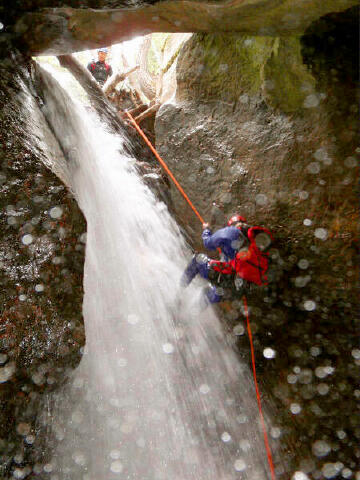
159	393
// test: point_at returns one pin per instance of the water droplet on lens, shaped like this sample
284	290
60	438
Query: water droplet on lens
275	432
303	264
309	305
323	388
300	476
240	465
315	351
226	437
116	467
347	473
295	408
269	353
350	162
204	389
239	329
27	239
55	212
48	467
321	448
168	348
314	167
341	434
114	454
321	233
311	101
303	195
356	353
261	199
330	470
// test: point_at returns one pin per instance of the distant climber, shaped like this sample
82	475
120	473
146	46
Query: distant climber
244	257
100	70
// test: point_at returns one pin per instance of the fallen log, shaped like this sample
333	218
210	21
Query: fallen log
110	86
148	112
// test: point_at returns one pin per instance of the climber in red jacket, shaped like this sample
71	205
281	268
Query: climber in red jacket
100	70
244	250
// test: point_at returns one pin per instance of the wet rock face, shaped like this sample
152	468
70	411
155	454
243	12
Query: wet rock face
41	262
295	174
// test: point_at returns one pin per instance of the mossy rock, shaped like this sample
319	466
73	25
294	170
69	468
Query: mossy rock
225	66
287	81
222	66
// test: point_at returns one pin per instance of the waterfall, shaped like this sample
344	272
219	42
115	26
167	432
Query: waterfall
159	393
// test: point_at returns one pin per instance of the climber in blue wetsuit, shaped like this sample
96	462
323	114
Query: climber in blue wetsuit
244	257
229	239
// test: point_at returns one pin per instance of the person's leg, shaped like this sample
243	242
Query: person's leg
213	294
199	264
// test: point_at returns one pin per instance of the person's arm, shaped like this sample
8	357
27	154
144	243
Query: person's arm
89	67
110	71
206	238
212	241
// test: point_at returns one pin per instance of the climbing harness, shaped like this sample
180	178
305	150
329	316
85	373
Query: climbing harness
258	396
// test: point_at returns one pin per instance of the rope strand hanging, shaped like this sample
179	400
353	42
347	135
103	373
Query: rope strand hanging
258	395
166	168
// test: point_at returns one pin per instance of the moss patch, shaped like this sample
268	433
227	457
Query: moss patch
225	66
287	81
222	65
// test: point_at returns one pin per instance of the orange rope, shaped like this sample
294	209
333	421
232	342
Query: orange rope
166	168
266	440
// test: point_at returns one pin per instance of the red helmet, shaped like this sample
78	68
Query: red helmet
236	219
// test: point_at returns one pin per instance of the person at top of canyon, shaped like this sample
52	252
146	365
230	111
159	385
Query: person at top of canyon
244	257
100	70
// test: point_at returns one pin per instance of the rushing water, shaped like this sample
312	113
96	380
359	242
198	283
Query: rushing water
159	393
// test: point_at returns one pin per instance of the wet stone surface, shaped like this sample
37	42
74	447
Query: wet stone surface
296	175
41	262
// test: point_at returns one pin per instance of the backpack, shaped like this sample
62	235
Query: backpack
252	263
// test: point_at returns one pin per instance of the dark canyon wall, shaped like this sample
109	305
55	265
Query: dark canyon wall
41	267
